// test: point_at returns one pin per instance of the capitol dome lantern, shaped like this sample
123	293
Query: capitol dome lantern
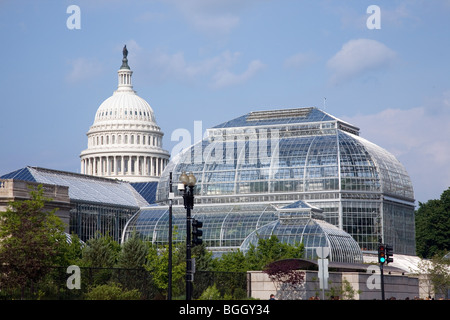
125	142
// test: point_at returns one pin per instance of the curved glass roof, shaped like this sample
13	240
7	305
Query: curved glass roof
223	225
312	233
227	227
294	158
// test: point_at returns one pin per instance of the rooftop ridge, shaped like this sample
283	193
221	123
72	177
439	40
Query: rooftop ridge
279	114
75	174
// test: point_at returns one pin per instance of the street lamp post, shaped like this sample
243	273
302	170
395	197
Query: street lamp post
187	186
171	196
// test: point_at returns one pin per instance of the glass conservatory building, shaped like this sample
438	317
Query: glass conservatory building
250	169
230	227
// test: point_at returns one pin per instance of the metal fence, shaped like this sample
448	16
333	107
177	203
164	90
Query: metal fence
61	283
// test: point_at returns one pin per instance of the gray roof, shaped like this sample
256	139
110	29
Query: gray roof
83	187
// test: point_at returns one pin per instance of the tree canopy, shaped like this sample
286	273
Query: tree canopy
32	239
433	226
259	256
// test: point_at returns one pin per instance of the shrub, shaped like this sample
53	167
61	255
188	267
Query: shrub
112	291
211	293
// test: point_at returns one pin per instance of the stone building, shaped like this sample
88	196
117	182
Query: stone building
19	190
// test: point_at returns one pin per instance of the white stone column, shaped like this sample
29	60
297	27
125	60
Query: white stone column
151	166
102	166
95	172
139	165
113	165
108	166
158	166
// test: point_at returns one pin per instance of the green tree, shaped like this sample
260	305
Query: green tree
257	257
203	258
112	291
133	257
433	226
100	252
133	253
158	266
71	252
211	293
437	271
270	250
31	239
233	261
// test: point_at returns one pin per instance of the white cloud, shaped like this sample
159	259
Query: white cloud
82	68
216	70
419	138
224	78
393	15
359	57
299	60
398	14
211	17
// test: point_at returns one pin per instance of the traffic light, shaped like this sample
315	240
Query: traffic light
196	232
381	253
389	254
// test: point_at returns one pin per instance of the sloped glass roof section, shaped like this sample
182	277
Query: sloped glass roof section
83	187
146	189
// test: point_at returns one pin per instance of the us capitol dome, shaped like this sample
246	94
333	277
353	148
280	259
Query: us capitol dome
125	142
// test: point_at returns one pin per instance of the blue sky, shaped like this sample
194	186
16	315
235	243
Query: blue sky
211	61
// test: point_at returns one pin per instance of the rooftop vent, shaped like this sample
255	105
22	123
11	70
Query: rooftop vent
279	114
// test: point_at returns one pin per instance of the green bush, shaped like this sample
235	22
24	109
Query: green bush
112	291
211	293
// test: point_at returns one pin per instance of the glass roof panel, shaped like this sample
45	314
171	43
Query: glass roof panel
84	187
